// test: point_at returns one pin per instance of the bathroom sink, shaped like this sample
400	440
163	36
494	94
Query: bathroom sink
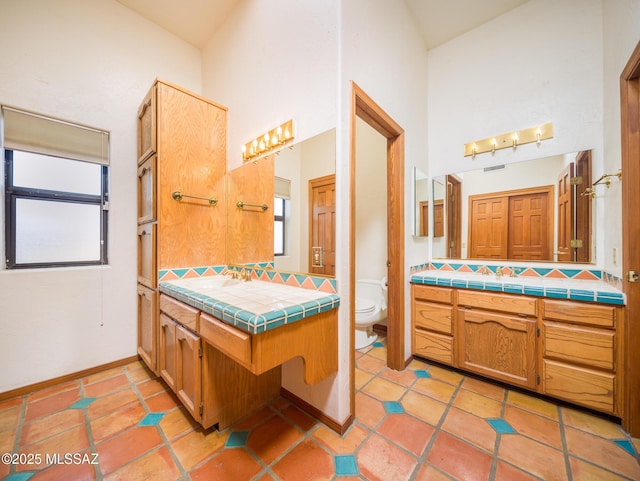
207	282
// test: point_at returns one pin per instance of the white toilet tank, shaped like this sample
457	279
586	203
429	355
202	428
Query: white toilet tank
371	292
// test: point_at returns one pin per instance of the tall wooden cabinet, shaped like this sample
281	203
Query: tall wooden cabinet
181	148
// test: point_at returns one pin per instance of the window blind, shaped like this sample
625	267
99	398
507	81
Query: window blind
282	188
41	135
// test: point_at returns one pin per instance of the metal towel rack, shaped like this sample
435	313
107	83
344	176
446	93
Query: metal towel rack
177	195
242	205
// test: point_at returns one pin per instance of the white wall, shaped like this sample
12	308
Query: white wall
92	63
371	202
621	35
272	61
541	62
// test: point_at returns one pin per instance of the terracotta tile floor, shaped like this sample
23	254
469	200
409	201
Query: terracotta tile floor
424	423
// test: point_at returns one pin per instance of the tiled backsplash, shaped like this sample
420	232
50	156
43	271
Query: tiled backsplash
262	271
528	271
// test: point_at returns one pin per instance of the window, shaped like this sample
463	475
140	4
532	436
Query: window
278	226
56	192
282	189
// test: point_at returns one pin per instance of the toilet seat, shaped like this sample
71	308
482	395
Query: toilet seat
365	306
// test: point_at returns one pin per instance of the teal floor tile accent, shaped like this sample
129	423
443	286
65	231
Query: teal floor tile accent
378	344
19	477
151	419
501	426
422	374
83	403
237	439
626	445
393	407
346	465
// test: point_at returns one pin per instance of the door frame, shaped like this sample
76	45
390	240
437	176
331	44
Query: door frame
366	109
630	130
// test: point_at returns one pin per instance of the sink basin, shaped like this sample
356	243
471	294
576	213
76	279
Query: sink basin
208	282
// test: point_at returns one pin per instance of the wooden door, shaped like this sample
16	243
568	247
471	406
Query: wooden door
488	227
583	207
454	217
424	218
322	223
167	350
188	369
528	220
630	126
498	346
565	215
438	218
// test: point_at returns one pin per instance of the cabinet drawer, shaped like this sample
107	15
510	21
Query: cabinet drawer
592	347
498	302
433	294
233	342
580	385
434	317
433	346
579	313
181	312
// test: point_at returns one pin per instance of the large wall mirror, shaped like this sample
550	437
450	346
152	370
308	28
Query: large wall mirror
525	211
304	223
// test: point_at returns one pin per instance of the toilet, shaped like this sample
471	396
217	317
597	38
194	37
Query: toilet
371	308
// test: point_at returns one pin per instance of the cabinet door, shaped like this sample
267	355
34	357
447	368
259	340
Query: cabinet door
147	326
147	175
167	350
497	346
147	126
147	255
188	387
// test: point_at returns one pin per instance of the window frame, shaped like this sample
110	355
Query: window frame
13	193
281	218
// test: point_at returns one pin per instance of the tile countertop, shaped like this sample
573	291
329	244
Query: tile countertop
253	306
573	289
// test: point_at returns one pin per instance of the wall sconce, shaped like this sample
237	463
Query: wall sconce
282	134
511	139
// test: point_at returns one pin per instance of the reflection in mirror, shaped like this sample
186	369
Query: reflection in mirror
524	211
305	181
421	203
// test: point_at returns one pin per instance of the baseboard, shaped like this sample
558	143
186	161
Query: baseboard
21	391
313	411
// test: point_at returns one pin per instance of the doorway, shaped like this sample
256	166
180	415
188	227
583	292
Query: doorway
322	214
630	123
363	107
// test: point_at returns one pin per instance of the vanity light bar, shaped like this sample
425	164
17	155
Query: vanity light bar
282	134
509	140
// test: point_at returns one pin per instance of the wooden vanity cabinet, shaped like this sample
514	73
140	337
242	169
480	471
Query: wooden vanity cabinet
432	317
580	355
568	350
497	336
181	147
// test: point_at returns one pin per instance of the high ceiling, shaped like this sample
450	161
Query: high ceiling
439	20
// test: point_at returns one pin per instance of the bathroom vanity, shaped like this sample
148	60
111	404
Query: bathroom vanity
222	341
538	334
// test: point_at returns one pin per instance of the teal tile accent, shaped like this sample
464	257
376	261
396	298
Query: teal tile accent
285	276
317	281
237	439
541	271
626	445
271	274
151	419
556	293
82	403
19	476
393	407
456	267
300	278
200	270
346	465
437	265
422	374
378	344
180	272
501	426
570	272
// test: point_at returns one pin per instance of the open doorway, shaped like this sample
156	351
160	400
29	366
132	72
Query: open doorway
363	107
